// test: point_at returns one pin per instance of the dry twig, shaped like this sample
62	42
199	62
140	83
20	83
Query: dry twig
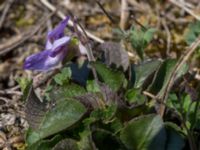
62	16
105	12
149	95
70	23
168	36
42	78
10	90
19	39
137	5
5	11
182	5
124	14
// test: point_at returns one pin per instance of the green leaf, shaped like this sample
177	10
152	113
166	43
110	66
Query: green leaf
196	118
134	96
85	143
23	83
185	107
142	71
113	78
193	32
69	90
174	103
163	75
92	86
148	35
175	140
140	39
48	90
45	144
63	77
144	133
186	103
126	113
115	125
62	116
106	114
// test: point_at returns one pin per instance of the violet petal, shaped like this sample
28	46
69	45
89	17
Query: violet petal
82	48
58	45
48	45
42	61
56	48
58	31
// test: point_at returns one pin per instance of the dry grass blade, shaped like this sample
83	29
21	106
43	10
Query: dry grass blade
163	21
5	11
180	4
124	14
19	39
186	55
62	16
105	12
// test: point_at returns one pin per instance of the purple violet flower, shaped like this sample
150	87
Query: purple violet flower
55	50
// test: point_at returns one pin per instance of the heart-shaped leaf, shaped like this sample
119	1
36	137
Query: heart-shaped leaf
62	116
144	133
193	32
143	70
45	144
174	139
163	75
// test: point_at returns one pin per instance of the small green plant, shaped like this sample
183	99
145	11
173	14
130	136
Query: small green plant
140	39
101	104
